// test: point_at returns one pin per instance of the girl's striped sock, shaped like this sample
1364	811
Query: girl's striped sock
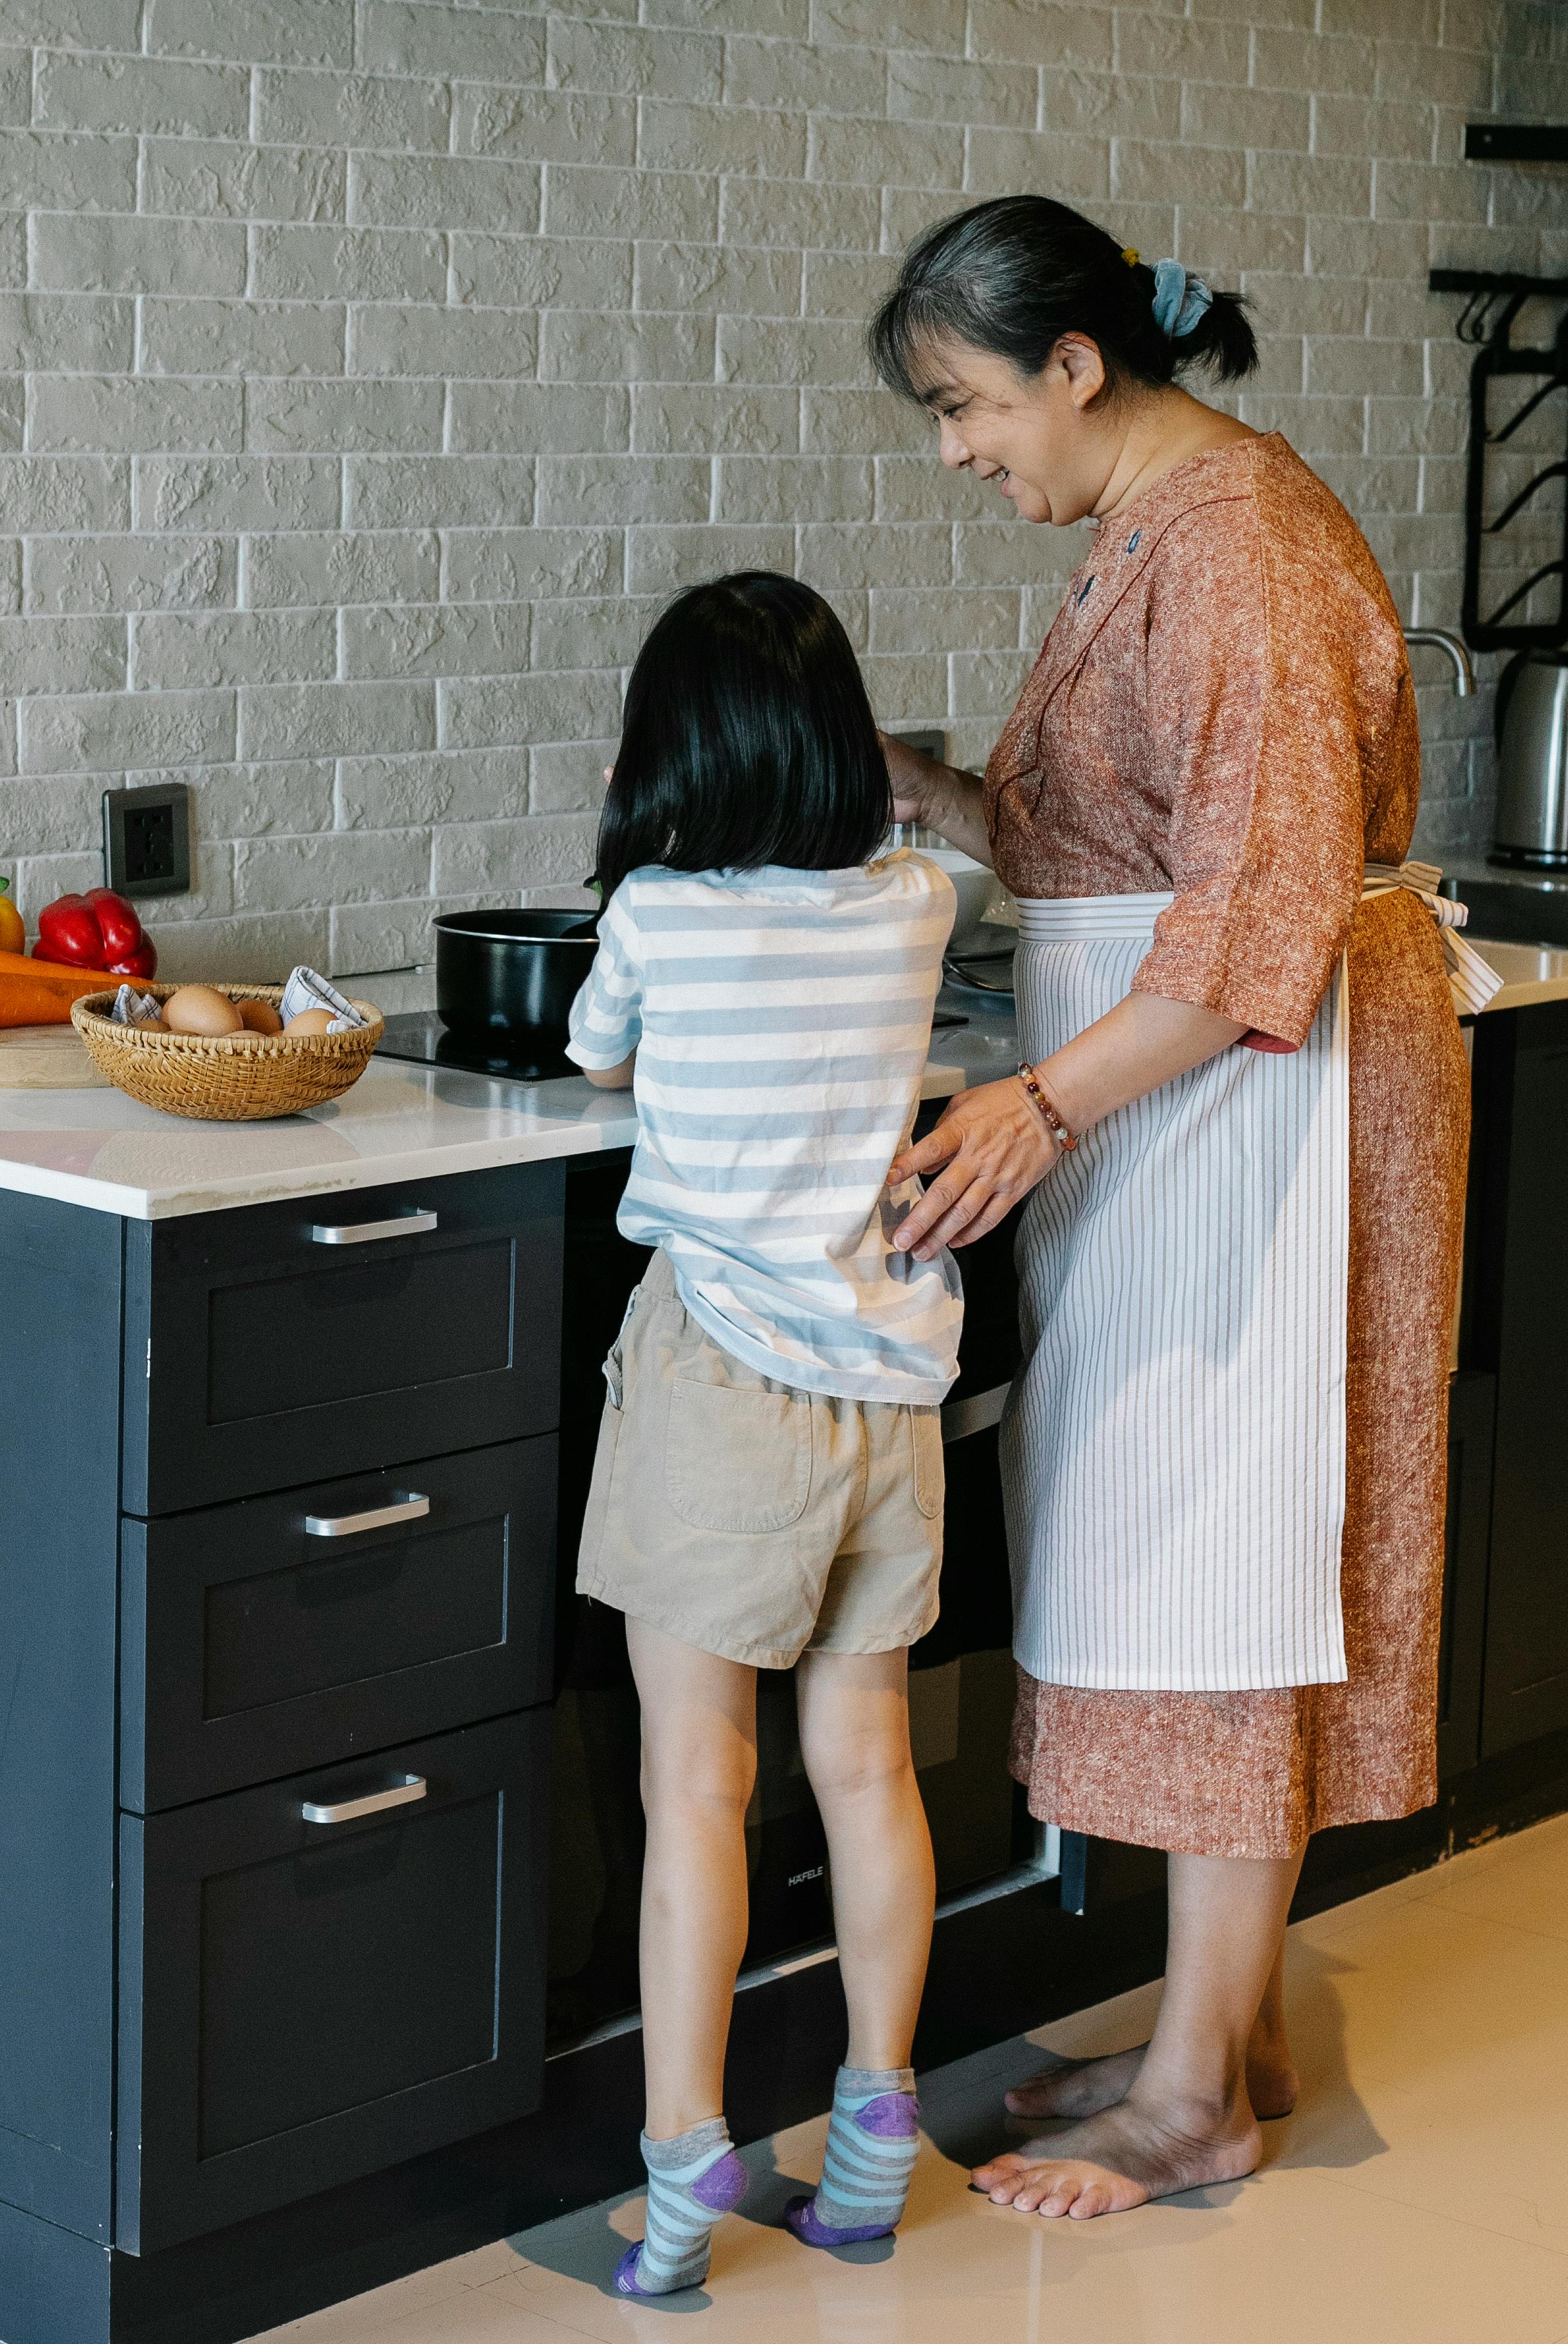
873	2141
692	2181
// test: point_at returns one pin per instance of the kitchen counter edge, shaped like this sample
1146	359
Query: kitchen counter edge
401	1122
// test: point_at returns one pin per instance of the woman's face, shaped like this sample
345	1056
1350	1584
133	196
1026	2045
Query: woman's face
1033	438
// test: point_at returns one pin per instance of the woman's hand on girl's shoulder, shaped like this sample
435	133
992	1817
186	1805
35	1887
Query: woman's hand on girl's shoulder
911	774
990	1148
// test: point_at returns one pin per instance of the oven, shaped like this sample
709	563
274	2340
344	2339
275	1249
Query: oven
961	1681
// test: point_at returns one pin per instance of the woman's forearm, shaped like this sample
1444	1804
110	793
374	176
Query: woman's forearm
955	806
1144	1042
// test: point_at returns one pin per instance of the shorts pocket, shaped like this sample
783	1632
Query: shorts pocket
930	1465
735	1459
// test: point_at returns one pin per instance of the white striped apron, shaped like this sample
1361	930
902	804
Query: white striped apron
1173	1449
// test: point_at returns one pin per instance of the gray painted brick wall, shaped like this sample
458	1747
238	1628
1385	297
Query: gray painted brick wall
370	369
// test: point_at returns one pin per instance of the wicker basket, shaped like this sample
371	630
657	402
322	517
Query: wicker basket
231	1078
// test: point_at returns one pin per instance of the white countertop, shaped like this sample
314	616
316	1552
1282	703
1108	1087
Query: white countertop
1530	973
399	1122
406	1122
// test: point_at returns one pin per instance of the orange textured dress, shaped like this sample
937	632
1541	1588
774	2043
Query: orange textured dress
1223	711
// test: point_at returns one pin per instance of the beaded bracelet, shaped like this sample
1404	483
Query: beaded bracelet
1064	1138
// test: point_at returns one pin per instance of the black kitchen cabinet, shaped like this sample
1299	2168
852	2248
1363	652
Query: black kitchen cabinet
284	1631
279	1547
268	1346
315	1982
1516	1313
1472	1409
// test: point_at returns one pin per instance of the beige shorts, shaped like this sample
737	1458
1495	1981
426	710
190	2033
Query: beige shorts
750	1519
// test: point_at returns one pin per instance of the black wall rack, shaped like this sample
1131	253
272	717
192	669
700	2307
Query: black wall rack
1516	142
1493	301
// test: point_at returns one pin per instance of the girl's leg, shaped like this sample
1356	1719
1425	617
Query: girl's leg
698	1763
1082	2087
854	1738
1186	2119
699	1766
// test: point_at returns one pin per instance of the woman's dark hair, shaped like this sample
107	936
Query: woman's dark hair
747	738
1012	277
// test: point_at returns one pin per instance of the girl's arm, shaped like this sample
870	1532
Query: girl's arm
993	1141
612	1079
939	795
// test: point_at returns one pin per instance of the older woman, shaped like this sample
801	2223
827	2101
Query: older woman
1224	1455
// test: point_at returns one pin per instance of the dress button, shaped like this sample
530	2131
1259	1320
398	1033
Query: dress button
1132	540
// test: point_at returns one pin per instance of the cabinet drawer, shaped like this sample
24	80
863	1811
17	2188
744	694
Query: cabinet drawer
267	1347
303	2002
253	1645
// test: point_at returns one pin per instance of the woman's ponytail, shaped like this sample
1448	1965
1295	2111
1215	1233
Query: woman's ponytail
1222	339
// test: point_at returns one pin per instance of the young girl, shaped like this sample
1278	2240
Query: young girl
767	1491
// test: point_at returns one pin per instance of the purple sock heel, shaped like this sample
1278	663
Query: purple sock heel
893	2115
801	2217
722	2185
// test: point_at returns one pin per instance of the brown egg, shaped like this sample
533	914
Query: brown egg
309	1021
260	1016
201	1009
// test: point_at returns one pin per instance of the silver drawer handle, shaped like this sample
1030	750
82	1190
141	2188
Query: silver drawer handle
401	1225
407	1510
375	1803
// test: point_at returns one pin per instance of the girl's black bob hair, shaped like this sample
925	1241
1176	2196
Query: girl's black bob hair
747	739
1012	276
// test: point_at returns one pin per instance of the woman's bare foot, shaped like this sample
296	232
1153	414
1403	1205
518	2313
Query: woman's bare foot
1077	2088
1118	2159
1083	2087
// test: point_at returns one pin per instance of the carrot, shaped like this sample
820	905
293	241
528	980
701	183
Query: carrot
40	992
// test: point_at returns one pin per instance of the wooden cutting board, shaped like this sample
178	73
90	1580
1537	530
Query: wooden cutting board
46	1058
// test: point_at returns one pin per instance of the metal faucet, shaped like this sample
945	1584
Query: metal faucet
1440	639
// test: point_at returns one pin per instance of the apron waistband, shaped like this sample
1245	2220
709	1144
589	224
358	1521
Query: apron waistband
1062	919
1058	919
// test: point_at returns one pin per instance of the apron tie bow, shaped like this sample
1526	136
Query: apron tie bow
1472	980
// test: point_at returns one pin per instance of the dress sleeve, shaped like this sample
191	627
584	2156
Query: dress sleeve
605	1022
1251	707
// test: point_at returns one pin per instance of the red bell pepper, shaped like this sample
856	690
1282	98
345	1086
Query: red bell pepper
98	930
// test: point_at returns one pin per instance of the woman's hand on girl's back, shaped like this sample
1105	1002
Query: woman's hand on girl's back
990	1148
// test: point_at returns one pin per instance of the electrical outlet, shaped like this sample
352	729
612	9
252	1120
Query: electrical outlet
146	840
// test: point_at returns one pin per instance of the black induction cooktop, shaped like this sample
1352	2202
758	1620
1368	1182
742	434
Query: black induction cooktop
418	1035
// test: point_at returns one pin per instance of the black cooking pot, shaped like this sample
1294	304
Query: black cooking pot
511	973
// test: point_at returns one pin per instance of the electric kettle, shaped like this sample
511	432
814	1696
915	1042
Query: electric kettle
1531	821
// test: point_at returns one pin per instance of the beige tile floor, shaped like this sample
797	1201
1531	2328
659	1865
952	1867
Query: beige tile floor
1419	2196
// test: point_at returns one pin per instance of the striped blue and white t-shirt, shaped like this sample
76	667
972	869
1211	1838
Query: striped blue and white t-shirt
781	1020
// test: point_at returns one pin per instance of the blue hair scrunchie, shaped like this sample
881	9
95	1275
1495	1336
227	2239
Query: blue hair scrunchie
1179	298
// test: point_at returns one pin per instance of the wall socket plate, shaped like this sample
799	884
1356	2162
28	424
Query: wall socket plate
146	840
